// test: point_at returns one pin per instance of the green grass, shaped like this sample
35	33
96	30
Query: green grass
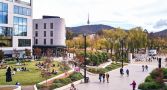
27	77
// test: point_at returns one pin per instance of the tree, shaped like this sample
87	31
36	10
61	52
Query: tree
1	55
8	75
37	53
45	72
27	53
16	54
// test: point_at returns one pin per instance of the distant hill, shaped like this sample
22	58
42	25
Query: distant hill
162	33
89	29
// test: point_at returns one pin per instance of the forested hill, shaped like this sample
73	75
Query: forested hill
89	29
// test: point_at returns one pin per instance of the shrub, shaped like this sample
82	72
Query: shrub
149	79
150	86
97	70
56	85
157	75
165	73
76	76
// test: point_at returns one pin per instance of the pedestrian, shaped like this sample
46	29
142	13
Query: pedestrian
143	68
127	72
121	71
133	85
72	87
100	75
146	67
107	77
103	75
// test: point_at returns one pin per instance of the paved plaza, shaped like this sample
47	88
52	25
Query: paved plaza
118	82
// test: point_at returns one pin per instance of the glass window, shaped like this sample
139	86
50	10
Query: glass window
5	7
44	42
3	13
44	33
51	41
28	12
51	33
24	42
51	25
36	26
36	41
16	9
21	10
44	25
0	6
36	33
20	26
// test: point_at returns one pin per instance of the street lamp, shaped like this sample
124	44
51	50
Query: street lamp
85	80
122	52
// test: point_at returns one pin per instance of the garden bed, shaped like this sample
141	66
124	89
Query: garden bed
57	83
110	67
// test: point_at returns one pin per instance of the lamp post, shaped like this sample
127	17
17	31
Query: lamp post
122	52
84	35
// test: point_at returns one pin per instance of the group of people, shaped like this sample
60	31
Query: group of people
103	76
144	68
122	72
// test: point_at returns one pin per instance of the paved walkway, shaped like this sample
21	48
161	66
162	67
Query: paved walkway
116	81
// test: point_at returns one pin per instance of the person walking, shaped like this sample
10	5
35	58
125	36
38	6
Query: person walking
100	76
127	72
107	77
133	85
103	75
121	71
72	87
143	68
146	67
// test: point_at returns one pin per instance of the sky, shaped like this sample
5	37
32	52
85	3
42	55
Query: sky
126	14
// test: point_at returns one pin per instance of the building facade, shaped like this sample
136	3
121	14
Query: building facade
15	26
49	33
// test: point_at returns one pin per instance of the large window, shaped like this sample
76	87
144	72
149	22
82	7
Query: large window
36	41
44	25
22	10
36	26
20	26
5	37
6	31
24	42
3	13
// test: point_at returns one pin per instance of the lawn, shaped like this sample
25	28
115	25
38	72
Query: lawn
30	77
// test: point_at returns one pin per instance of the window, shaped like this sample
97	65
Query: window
36	33
5	31
44	33
36	26
44	25
36	41
51	33
24	42
22	10
20	26
51	25
3	13
44	42
51	41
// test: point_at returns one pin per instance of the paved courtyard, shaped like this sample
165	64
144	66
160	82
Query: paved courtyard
117	82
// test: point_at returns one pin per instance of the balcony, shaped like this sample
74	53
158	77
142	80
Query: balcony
25	2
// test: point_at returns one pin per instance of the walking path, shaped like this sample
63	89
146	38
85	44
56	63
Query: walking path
117	82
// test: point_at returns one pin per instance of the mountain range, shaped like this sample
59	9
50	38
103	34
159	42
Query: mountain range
90	29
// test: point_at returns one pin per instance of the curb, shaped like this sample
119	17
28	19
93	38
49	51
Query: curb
69	85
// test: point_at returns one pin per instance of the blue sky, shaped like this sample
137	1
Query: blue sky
149	14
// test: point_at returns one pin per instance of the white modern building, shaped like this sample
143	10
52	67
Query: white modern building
49	33
15	26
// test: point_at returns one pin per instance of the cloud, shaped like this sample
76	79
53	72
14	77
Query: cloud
161	23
